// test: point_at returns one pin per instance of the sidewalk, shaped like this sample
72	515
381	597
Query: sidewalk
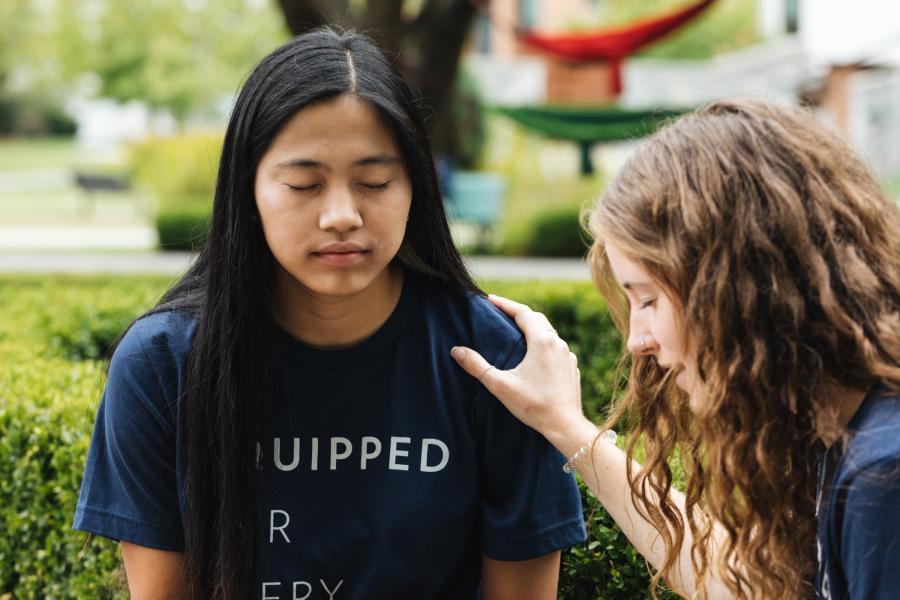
173	263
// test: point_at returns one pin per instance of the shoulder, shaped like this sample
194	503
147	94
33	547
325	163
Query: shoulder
152	352
475	322
159	334
875	432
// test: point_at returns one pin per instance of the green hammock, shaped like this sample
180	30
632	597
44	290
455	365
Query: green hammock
588	125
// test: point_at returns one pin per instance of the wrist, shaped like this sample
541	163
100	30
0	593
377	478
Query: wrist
573	436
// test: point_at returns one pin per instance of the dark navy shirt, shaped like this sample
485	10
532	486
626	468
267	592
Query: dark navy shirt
387	471
859	507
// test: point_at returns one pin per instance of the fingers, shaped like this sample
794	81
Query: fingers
510	307
475	365
528	320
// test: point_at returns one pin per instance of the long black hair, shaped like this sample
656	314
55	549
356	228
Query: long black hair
229	289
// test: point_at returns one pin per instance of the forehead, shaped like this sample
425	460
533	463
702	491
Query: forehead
628	273
334	131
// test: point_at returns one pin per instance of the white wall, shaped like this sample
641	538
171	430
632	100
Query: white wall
509	81
875	118
847	31
777	68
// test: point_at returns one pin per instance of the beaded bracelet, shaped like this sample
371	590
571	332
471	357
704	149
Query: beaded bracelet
608	436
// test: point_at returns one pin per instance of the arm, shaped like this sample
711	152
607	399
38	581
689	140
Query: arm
152	574
544	392
534	579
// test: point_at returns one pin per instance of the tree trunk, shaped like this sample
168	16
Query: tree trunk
425	47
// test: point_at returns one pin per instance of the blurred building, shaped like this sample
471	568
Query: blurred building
855	47
842	57
516	70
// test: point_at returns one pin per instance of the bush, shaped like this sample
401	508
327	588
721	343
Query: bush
45	422
556	232
180	172
72	318
183	228
607	566
541	213
549	232
32	116
48	399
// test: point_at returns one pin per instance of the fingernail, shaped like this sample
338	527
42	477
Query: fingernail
458	353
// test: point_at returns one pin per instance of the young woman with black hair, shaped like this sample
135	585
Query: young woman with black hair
286	422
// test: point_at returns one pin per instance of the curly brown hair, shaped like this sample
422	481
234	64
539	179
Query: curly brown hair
782	256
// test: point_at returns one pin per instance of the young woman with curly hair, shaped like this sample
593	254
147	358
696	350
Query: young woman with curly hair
753	265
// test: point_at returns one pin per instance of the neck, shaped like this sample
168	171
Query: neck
838	404
335	322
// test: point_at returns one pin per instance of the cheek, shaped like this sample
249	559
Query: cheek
388	223
285	225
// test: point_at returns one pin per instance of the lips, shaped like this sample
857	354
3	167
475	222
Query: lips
341	254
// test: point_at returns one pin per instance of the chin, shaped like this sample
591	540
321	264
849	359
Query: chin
338	284
340	281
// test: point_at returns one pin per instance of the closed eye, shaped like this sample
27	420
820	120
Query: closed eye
376	186
303	188
647	303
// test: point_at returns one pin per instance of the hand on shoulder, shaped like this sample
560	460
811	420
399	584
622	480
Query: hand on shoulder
544	390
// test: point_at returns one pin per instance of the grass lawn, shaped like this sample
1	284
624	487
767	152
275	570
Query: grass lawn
37	186
19	154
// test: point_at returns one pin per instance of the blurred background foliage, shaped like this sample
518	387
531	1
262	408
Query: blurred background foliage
182	55
188	57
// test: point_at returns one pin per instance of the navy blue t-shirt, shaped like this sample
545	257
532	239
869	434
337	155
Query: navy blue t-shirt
859	508
386	469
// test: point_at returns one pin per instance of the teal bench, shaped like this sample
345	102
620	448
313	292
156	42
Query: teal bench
476	197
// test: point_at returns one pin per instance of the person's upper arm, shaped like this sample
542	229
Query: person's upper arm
534	579
530	508
153	574
870	532
129	490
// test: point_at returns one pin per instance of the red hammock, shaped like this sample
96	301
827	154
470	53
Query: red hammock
614	43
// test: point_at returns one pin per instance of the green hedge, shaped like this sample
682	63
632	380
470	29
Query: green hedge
556	232
48	399
183	228
180	172
50	383
34	116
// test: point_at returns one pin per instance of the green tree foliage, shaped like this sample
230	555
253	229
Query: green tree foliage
182	55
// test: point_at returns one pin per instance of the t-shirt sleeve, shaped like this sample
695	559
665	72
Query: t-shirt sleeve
530	507
870	532
129	490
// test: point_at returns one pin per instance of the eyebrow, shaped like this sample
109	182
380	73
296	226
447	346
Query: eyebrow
630	285
303	163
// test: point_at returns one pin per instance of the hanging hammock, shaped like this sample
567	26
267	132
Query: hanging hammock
614	43
588	125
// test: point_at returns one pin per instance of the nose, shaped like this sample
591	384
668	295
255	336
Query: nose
640	342
340	212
